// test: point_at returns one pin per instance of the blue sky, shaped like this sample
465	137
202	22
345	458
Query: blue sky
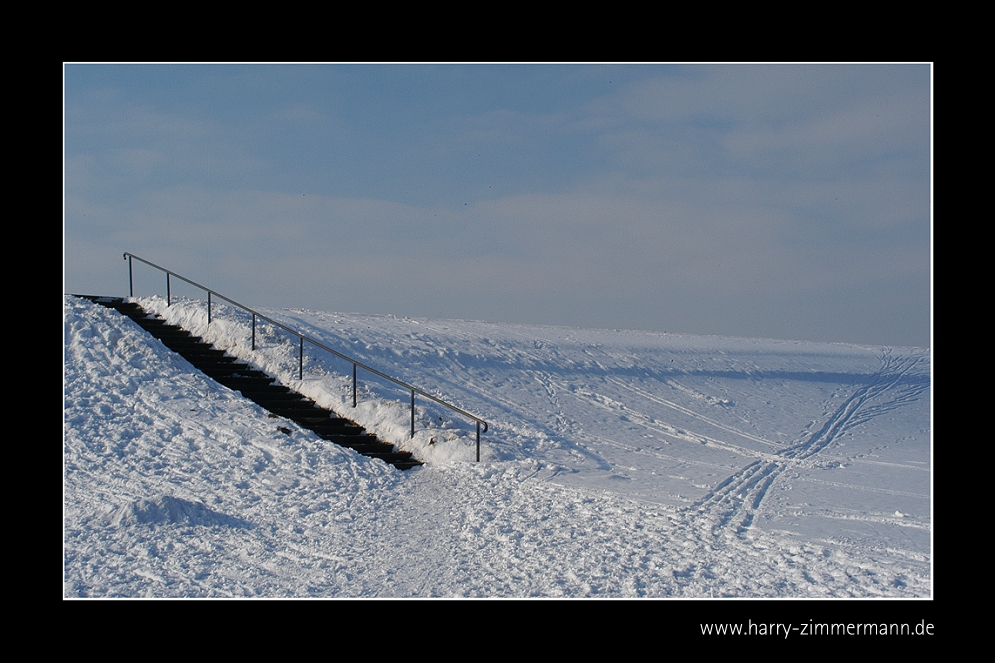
777	201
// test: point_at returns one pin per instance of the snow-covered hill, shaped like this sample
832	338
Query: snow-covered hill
617	464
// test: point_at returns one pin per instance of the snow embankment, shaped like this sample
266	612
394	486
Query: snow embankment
177	487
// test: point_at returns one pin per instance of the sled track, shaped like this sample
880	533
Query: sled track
695	415
734	503
853	411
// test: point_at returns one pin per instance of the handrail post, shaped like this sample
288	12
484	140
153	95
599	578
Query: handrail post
412	413
478	441
168	302
131	281
301	369
253	332
354	384
208	307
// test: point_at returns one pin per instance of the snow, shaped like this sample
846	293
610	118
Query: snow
617	464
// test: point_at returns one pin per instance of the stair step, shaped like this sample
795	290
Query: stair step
213	363
197	356
222	373
352	441
262	397
248	382
342	427
396	459
301	409
369	449
233	371
292	412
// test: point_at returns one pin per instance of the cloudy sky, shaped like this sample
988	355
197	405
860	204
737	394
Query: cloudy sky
777	201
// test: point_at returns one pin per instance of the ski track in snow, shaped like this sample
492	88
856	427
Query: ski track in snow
619	464
735	502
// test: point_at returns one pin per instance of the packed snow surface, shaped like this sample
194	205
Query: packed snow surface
616	464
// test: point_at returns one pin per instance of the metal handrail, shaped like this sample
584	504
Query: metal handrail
355	363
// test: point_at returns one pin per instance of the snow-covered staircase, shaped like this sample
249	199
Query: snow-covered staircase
260	387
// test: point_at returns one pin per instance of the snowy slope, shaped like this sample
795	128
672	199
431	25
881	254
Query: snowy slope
618	464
